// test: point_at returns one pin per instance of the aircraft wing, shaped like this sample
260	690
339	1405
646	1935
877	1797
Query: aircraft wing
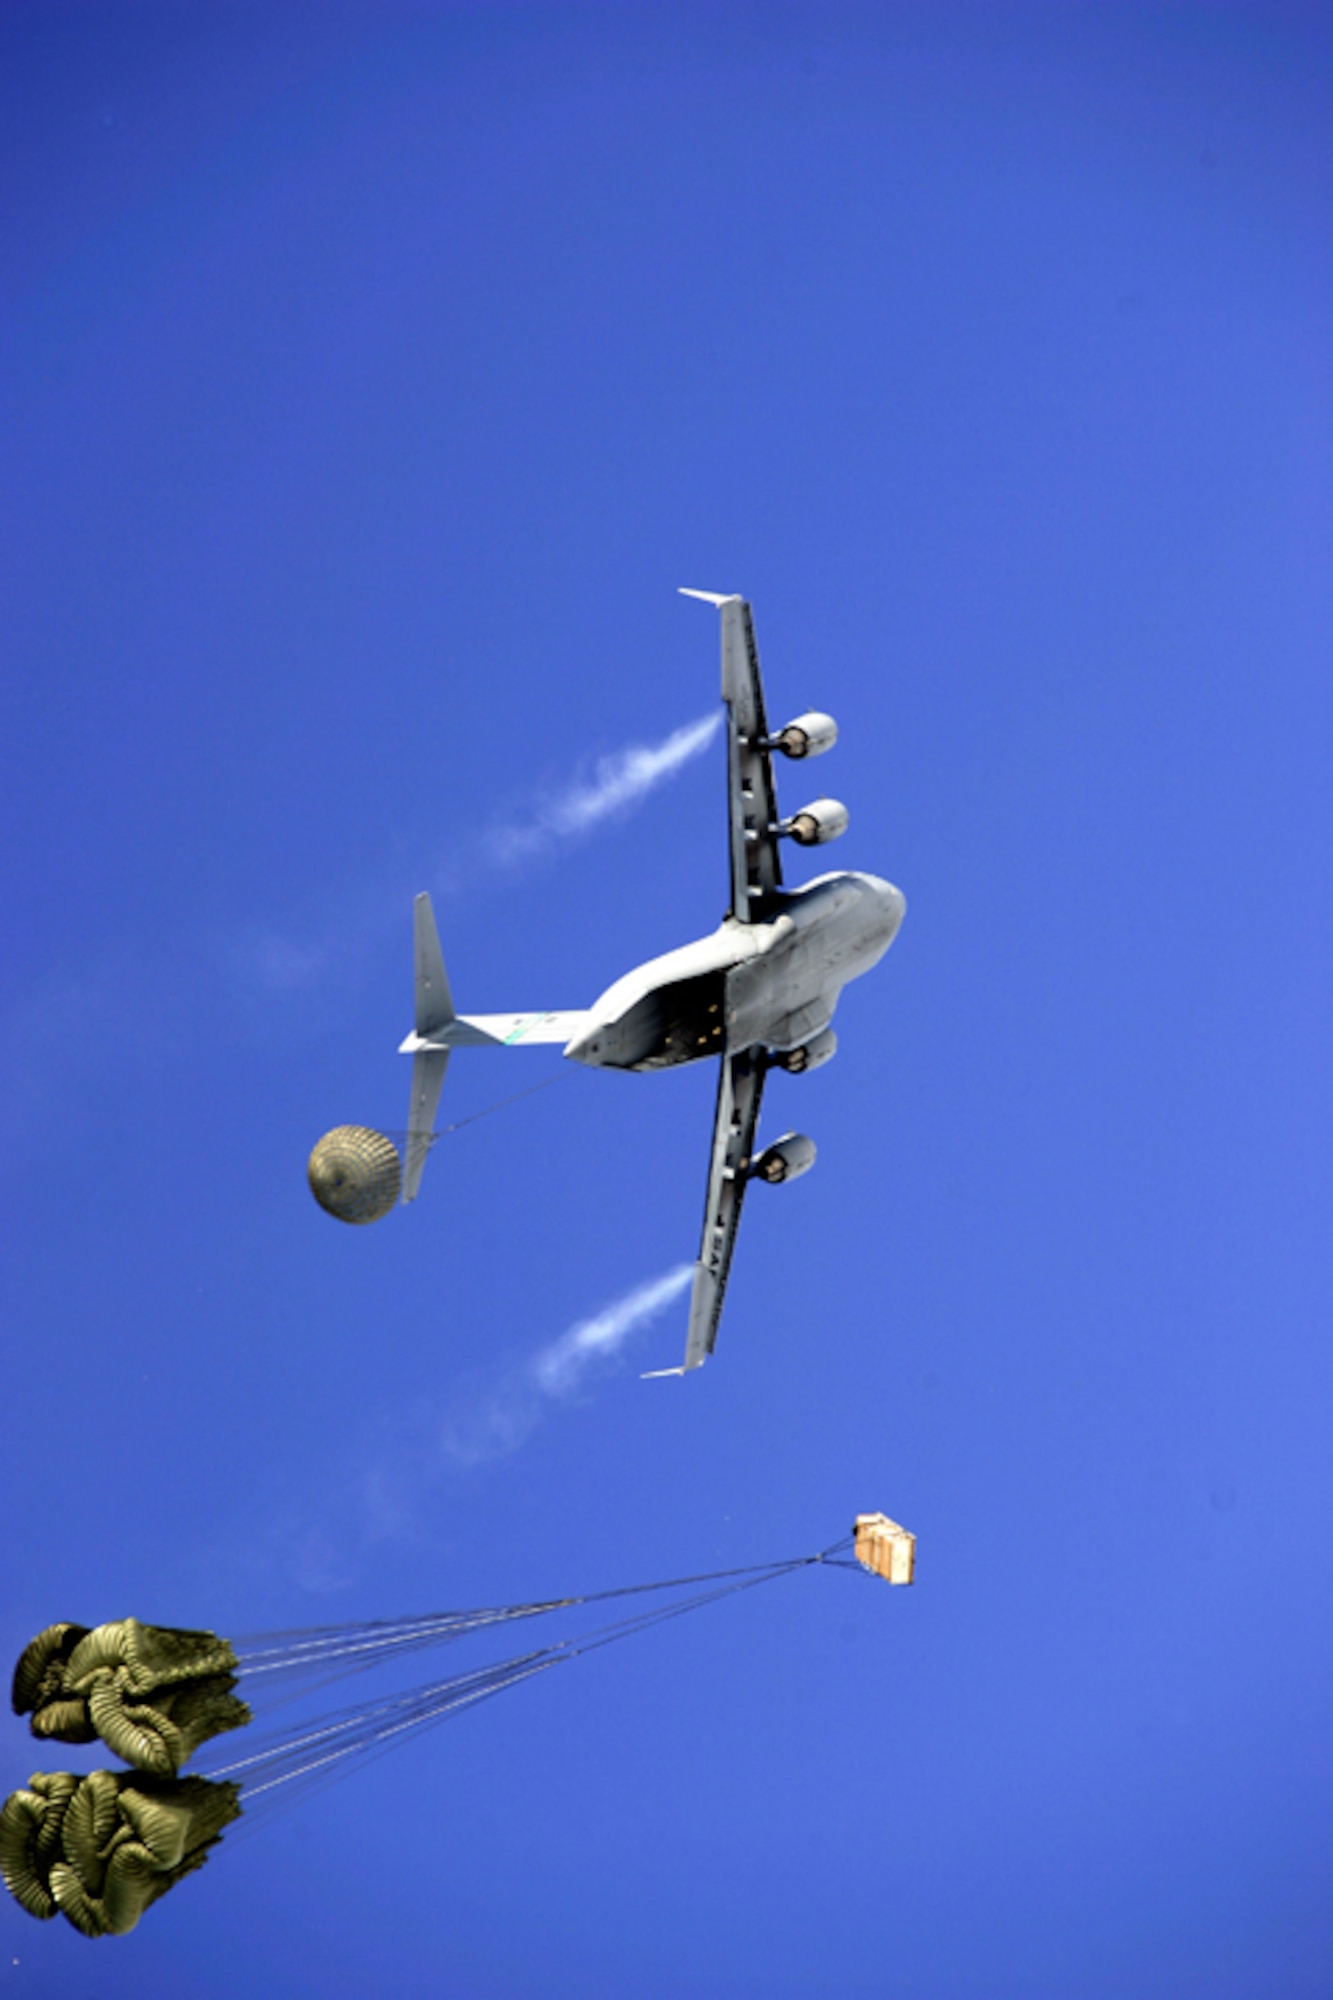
752	802
740	1088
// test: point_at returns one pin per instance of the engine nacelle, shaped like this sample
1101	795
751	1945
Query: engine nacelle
820	1048
809	736
786	1159
817	823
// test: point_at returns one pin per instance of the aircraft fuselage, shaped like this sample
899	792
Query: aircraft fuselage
775	982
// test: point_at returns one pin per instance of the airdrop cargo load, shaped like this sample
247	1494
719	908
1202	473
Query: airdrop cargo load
884	1548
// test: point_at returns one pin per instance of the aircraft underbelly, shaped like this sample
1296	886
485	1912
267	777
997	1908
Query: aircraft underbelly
779	999
675	1023
772	984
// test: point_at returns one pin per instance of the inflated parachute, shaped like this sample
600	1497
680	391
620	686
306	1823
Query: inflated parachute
153	1693
355	1173
99	1849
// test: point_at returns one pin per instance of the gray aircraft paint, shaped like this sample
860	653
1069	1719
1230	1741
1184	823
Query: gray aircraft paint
761	987
776	982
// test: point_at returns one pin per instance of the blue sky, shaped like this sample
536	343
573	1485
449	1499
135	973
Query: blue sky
371	379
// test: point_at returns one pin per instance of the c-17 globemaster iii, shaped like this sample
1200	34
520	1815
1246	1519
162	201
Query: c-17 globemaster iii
759	993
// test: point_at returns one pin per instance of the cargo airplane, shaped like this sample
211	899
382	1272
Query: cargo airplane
758	993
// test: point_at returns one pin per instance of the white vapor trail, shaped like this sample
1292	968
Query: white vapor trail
619	781
289	968
560	1368
323	1538
500	1421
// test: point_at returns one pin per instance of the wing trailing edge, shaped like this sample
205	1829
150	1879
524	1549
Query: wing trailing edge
740	1088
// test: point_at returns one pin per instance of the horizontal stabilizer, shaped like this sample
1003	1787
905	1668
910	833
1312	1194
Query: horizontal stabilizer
710	596
512	1029
499	1031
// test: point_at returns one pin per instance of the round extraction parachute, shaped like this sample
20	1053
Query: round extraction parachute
355	1173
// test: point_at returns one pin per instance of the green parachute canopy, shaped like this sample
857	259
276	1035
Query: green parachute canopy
151	1692
99	1849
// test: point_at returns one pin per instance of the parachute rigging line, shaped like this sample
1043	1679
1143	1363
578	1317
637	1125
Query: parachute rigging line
501	1104
369	1640
313	1752
400	1134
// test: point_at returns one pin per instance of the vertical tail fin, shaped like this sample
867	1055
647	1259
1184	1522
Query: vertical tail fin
435	1003
434	1010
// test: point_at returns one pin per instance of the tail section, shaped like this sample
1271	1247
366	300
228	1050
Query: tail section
438	1029
434	1001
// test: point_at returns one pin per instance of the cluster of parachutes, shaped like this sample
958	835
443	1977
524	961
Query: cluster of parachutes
100	1848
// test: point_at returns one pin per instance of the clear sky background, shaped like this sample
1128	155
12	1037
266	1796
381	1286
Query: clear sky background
371	379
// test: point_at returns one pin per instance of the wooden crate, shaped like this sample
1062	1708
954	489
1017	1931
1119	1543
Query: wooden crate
884	1548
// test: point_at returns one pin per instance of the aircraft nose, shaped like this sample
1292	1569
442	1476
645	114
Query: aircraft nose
894	905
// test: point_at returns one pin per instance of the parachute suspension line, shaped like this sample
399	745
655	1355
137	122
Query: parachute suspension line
501	1104
341	1735
272	1789
756	1570
351	1642
660	1614
312	1646
382	1738
311	1753
487	1111
303	1674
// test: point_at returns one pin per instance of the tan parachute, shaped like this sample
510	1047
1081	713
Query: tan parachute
355	1173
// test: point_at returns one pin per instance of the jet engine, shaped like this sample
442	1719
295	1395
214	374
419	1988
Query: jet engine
786	1159
820	1048
814	824
809	736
